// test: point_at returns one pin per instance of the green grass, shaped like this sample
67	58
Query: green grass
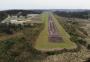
42	41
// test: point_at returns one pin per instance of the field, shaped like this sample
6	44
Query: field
87	29
43	43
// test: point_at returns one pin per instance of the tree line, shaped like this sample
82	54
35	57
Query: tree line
74	14
5	13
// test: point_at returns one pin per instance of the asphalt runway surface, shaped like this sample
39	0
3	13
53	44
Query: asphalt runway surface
53	31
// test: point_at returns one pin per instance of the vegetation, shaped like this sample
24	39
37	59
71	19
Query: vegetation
20	47
77	34
12	28
72	14
4	14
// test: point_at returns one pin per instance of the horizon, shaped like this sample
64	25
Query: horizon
67	10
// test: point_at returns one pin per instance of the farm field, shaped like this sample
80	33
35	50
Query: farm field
43	42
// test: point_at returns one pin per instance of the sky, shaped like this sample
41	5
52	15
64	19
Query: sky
44	4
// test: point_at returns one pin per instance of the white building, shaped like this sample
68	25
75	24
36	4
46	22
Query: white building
16	20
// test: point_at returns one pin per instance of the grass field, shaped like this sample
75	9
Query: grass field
42	41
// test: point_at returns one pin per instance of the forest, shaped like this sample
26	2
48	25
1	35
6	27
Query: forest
74	14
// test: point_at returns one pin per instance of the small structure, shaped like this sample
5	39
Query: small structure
32	19
32	15
16	20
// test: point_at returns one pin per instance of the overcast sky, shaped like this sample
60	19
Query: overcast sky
44	4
